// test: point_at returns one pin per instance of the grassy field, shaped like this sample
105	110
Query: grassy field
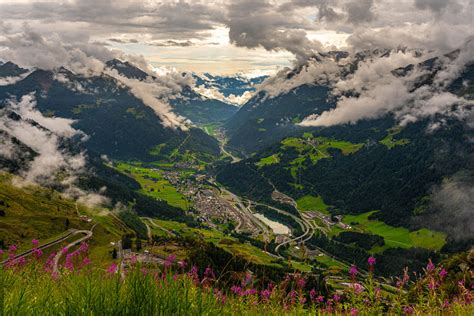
270	160
210	129
230	244
312	203
153	184
397	236
315	149
149	290
34	212
389	140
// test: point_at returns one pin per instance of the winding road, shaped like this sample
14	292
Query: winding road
87	234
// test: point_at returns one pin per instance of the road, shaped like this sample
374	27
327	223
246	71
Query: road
220	136
152	222
54	242
246	215
87	234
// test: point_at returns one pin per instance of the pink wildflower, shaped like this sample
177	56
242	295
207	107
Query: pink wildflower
354	311
12	249
249	292
446	304
301	283
35	242
312	295
443	273
37	252
371	261
84	247
357	288
247	280
112	269
182	264
65	250
209	273
265	294
336	298
236	289
86	261
353	271
408	309
430	266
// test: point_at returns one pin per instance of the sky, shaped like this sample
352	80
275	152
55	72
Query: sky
225	36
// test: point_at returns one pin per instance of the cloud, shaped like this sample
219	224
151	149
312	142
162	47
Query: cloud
320	69
52	164
28	48
434	5
452	202
155	93
254	24
44	142
373	91
360	11
214	93
6	81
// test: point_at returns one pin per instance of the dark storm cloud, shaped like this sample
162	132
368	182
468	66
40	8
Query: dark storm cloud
434	5
360	11
259	24
182	19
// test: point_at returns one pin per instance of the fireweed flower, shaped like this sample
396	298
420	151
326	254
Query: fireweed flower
193	274
12	249
84	247
112	269
443	273
37	252
312	295
371	261
249	292
430	266
236	289
357	288
301	283
336	298
354	311
209	273
353	271
265	294
182	264
65	250
169	261
35	242
86	261
408	309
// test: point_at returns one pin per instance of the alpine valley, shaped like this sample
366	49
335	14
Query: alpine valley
302	174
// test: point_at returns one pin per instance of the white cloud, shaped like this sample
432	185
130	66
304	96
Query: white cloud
375	91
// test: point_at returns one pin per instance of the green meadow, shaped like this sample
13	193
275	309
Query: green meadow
154	184
390	141
312	203
396	236
270	160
